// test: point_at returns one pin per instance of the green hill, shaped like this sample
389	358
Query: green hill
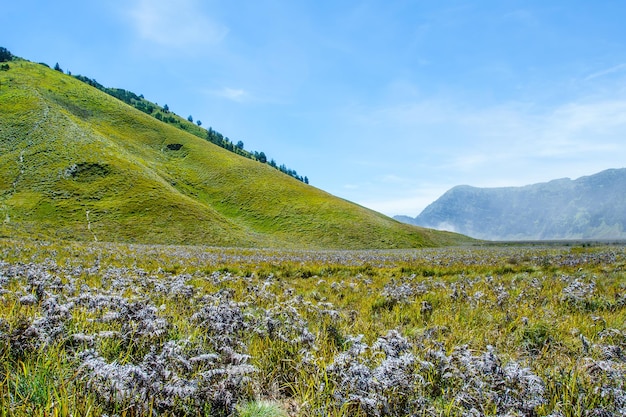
76	163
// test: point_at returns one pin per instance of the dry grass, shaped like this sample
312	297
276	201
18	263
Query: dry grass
95	329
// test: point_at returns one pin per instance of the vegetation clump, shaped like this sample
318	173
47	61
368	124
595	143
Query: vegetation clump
87	170
174	146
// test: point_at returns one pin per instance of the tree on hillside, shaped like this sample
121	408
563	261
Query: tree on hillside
57	67
5	55
190	119
262	158
240	144
166	109
198	122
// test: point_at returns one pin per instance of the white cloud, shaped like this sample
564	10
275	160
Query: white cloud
180	24
394	179
578	129
602	119
607	71
233	94
242	95
470	161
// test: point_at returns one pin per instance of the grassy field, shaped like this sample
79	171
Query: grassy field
90	329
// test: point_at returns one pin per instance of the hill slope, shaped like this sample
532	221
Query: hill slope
76	163
591	207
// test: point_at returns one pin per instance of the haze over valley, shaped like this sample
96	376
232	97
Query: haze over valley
590	207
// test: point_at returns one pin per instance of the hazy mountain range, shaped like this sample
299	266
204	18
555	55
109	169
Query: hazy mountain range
590	207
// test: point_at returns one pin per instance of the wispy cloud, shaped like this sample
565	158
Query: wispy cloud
585	129
254	95
607	71
392	178
181	24
514	131
233	94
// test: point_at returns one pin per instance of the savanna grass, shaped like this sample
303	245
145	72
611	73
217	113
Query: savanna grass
130	330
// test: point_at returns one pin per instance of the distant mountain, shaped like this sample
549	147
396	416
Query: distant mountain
77	163
591	207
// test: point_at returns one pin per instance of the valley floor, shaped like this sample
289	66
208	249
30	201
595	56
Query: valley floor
134	330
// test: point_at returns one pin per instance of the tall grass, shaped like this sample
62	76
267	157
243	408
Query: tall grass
130	330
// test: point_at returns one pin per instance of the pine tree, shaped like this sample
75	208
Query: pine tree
5	55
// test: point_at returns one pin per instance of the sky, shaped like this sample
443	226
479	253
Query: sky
384	103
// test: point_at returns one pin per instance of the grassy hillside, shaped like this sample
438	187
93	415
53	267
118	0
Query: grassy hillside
76	163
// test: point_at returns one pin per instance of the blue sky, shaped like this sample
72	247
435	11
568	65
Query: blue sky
384	103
